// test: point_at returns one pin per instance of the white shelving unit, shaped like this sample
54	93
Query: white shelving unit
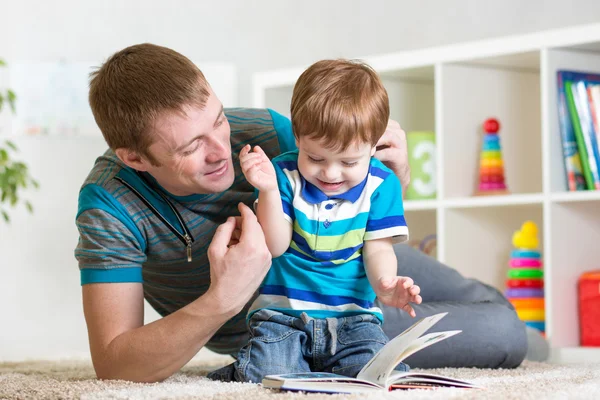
452	90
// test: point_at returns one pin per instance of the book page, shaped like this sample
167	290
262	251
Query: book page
377	370
425	341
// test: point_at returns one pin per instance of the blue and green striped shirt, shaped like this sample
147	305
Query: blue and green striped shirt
322	273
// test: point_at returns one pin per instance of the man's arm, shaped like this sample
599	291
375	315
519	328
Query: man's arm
123	348
393	152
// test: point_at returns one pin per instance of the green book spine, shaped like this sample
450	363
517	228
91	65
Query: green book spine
587	173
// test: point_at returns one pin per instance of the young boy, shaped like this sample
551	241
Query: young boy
330	213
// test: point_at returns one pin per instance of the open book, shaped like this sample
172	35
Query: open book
378	373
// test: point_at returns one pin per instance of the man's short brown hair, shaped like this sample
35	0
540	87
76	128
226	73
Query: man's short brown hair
138	84
340	102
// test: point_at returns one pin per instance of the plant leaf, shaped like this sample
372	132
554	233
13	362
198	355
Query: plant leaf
5	216
11	145
12	97
2	63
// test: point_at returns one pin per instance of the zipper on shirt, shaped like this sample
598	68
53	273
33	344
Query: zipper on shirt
187	239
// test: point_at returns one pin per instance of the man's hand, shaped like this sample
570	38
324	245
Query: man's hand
237	267
398	292
393	152
257	169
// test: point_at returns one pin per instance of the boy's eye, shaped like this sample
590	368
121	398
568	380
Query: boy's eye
315	160
350	163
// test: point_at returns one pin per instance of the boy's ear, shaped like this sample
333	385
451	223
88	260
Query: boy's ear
373	150
132	159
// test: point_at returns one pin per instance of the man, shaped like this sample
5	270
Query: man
156	221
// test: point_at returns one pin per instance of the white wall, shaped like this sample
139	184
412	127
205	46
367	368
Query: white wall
39	279
264	34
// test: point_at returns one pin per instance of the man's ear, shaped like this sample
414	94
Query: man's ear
132	159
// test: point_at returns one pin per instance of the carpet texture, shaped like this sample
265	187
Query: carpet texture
76	380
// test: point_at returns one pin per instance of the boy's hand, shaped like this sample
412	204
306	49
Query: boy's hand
399	291
257	169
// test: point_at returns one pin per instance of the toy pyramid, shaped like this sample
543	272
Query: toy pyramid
525	283
491	164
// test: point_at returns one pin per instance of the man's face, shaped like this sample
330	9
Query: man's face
193	150
331	171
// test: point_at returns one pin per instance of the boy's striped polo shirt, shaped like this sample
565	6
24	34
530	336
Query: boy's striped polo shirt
322	273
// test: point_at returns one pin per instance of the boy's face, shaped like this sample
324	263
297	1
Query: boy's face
331	171
194	150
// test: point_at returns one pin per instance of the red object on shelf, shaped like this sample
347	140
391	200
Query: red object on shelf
589	308
491	125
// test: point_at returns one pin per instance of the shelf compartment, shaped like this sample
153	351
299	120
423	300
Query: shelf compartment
421	224
411	94
478	241
573	250
553	60
471	94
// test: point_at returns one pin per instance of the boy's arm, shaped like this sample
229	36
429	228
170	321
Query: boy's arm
276	224
381	266
386	226
276	227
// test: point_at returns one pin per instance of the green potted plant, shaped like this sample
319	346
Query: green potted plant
14	174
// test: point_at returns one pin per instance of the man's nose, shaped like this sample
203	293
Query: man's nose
217	151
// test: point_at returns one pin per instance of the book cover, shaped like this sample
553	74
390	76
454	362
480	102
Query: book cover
578	105
572	160
594	100
582	133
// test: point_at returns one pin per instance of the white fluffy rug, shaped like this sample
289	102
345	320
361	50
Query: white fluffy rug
76	380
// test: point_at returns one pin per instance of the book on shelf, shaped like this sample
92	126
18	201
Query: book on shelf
580	135
573	169
378	374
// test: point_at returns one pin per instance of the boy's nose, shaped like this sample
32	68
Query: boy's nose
330	174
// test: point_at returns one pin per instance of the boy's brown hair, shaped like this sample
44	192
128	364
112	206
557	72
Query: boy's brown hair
340	102
138	84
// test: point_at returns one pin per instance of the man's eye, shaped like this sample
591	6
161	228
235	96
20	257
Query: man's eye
314	160
191	151
221	121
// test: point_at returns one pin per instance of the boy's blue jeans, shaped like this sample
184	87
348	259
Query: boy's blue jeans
281	344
